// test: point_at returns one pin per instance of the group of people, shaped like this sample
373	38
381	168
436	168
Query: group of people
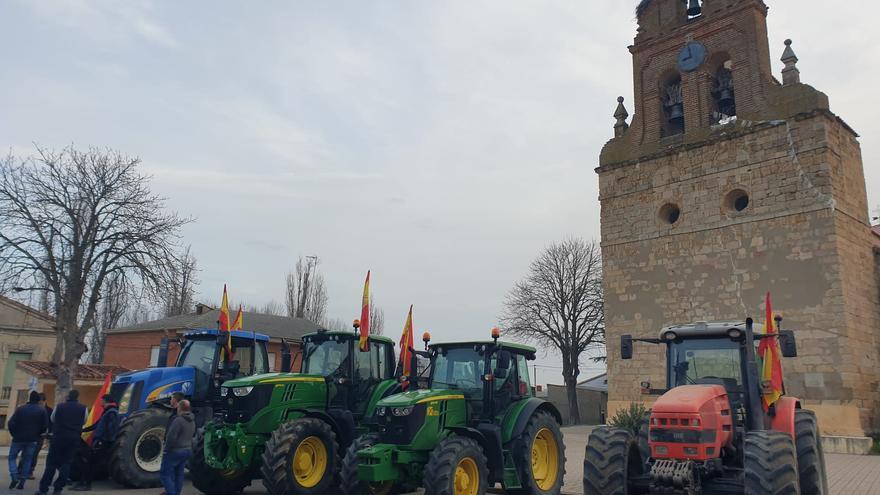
64	427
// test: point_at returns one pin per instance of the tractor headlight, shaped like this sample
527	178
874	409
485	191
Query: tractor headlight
381	411
402	411
241	391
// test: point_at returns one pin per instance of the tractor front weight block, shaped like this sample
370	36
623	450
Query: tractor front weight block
386	462
230	447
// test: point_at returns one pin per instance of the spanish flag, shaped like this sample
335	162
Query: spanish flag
406	343
771	376
365	316
238	322
97	409
223	325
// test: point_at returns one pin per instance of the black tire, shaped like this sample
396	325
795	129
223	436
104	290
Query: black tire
137	454
524	458
212	481
446	458
770	464
349	482
642	440
278	473
611	458
810	456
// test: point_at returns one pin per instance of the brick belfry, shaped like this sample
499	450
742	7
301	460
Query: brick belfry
727	184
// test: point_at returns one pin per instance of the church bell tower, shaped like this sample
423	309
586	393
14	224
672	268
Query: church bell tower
729	183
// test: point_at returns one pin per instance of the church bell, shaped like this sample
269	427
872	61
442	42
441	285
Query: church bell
676	113
694	8
725	97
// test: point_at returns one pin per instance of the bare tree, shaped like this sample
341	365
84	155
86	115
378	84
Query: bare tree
377	318
111	312
306	295
337	325
179	291
69	222
559	306
270	308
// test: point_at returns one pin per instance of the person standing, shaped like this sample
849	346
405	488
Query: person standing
26	426
102	441
178	448
43	437
68	419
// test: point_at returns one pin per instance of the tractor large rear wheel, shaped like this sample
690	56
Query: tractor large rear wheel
810	457
542	461
213	481
457	466
770	464
349	482
137	454
301	458
611	459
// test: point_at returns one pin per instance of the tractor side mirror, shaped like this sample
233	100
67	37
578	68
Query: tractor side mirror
787	343
502	365
285	357
626	347
162	362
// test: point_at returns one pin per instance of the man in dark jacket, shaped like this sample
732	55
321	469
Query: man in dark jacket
178	448
26	426
102	441
68	419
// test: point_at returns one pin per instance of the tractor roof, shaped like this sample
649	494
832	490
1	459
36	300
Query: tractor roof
235	333
510	346
351	335
704	329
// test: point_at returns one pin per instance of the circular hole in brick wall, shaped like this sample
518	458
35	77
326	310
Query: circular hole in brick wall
670	213
736	200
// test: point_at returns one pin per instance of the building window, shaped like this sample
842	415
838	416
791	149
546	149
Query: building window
154	356
271	362
736	201
2	421
669	213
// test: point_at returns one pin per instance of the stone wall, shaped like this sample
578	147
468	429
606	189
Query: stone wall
804	237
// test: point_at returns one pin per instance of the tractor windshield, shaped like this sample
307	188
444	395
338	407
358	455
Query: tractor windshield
693	361
327	357
461	369
199	353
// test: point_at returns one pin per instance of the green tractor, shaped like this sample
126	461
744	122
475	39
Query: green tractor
290	429
477	423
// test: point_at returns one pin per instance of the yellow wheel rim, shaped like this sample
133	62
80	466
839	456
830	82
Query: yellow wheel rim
467	477
545	459
309	462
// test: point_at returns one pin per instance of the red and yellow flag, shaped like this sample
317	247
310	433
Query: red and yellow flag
406	343
365	316
223	319
97	409
771	375
238	322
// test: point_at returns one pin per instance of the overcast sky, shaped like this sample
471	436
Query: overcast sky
441	144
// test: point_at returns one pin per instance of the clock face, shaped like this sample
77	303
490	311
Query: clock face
691	57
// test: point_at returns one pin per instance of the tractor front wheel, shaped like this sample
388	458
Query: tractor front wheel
457	466
611	459
810	457
213	481
301	458
542	461
137	453
349	482
770	464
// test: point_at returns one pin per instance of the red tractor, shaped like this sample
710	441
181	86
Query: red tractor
709	432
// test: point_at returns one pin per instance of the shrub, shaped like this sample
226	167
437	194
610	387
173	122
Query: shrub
630	418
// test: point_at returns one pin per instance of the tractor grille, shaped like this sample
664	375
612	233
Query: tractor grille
401	430
242	409
682	436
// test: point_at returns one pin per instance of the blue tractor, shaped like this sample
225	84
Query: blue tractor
144	396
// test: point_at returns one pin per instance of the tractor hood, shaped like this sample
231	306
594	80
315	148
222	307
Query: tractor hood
418	397
159	383
273	378
689	399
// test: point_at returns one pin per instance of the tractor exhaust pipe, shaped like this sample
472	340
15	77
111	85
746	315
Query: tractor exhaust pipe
755	417
162	362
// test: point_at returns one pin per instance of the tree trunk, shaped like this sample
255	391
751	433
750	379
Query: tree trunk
574	413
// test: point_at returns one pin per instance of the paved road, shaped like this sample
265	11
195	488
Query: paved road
847	474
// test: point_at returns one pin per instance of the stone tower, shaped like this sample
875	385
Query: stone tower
727	184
